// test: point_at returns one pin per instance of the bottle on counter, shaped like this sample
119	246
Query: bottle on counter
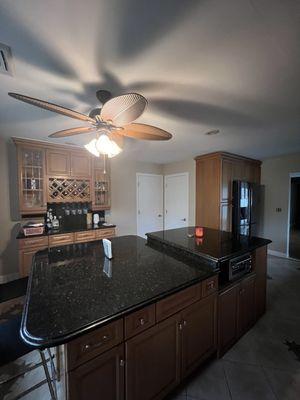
55	222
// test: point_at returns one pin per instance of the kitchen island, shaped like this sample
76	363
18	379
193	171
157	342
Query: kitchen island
132	327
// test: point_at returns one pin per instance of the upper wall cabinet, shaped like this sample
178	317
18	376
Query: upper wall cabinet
58	163
60	173
80	165
215	173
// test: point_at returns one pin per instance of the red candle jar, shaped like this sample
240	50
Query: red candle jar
199	231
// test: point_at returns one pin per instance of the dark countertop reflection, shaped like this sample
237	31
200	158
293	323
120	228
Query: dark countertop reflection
73	289
215	245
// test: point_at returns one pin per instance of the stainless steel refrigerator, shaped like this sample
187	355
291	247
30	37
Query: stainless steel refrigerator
247	212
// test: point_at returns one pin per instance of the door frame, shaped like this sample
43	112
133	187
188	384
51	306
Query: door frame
139	174
187	174
291	175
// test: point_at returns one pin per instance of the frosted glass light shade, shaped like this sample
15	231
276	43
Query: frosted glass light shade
103	145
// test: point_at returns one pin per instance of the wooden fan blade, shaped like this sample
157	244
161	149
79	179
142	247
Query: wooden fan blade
72	131
122	110
145	132
117	138
51	107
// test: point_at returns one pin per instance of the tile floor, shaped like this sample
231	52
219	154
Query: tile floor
258	367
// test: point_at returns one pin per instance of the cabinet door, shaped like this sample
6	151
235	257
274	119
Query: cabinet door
153	361
225	217
198	333
246	314
227	319
25	260
260	266
80	165
101	184
227	177
100	378
31	166
58	163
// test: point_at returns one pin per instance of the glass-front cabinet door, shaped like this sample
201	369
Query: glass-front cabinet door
31	180
101	184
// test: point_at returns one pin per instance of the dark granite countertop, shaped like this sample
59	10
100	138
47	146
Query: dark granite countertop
63	230
74	289
217	246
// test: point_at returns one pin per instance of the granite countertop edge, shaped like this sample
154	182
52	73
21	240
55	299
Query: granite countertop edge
42	343
263	242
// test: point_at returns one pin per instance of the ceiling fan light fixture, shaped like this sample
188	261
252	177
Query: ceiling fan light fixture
103	145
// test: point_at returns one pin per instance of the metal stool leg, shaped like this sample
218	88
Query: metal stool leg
51	382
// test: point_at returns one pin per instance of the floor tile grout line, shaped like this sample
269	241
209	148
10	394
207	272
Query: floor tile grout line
226	380
269	384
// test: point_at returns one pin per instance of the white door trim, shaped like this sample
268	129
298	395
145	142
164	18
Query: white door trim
291	175
187	174
138	174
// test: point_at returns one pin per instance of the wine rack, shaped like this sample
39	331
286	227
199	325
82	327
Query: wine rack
68	189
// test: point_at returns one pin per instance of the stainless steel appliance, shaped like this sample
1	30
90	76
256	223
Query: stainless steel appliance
247	208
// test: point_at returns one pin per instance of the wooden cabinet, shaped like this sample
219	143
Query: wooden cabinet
27	249
153	361
60	174
236	312
80	165
58	163
198	333
246	304
31	179
215	173
227	318
99	378
260	267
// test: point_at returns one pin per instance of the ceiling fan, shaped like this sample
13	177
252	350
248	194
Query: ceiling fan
111	122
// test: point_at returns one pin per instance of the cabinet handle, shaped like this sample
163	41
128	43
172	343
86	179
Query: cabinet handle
180	326
89	346
210	285
184	323
142	321
122	363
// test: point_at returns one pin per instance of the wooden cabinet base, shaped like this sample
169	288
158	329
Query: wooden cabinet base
100	378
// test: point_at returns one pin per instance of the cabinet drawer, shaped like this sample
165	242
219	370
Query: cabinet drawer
59	240
40	241
139	321
84	236
209	286
104	233
92	344
176	302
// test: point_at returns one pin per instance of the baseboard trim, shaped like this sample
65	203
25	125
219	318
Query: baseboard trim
9	277
277	253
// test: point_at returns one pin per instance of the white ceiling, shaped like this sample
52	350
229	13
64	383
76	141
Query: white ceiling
203	64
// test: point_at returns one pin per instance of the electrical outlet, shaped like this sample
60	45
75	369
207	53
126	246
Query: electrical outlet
6	64
278	209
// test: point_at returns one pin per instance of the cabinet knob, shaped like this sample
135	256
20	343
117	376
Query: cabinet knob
180	326
184	323
122	363
142	321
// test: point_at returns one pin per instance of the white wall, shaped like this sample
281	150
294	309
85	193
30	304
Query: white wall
123	189
275	176
190	167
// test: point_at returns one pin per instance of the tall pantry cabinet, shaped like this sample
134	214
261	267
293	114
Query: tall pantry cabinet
215	173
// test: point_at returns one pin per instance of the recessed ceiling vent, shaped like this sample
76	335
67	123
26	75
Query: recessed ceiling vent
6	63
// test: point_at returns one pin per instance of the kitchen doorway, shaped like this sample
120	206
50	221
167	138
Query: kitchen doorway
150	203
294	217
176	200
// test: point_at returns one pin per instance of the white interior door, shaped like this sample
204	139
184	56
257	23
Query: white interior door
149	203
176	200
